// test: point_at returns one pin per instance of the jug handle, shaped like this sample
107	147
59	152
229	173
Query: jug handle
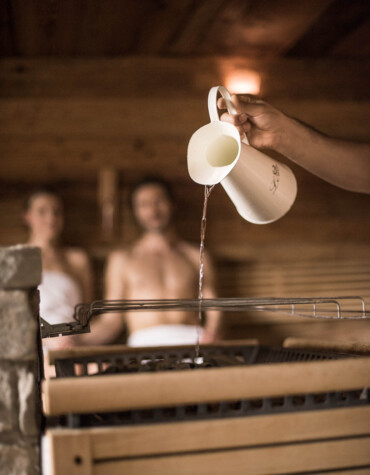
213	109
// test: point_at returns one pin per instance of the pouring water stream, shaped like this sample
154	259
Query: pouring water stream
203	225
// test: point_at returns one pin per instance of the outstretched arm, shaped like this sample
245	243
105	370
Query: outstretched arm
343	163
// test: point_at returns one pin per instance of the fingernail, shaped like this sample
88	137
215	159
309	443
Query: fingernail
242	117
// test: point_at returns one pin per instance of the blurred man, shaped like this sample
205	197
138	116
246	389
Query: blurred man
158	265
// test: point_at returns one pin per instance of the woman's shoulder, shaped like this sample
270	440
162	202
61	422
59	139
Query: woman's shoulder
76	256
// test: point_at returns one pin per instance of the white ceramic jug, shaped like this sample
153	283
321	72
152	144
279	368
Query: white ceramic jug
261	188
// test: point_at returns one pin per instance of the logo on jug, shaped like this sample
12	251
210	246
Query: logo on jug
275	179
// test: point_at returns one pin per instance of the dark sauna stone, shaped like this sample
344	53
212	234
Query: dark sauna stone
174	364
223	360
148	366
181	366
115	369
132	367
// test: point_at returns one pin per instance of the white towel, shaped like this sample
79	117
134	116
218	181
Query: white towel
163	335
59	293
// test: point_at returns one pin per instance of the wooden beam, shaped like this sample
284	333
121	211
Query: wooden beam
114	349
145	390
70	139
316	457
353	348
260	29
70	455
130	27
172	438
339	19
112	119
355	45
154	77
193	31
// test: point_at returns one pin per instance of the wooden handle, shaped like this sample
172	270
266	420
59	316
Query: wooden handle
145	390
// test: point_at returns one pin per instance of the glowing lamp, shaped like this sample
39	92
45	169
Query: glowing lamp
239	82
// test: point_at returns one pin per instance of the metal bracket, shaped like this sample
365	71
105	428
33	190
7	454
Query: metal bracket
62	329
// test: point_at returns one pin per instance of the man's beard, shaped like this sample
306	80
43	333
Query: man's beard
161	227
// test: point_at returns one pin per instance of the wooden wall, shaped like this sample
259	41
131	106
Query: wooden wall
62	121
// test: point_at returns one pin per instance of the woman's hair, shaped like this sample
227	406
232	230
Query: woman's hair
152	180
44	190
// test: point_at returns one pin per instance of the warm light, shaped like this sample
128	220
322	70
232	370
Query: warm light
239	82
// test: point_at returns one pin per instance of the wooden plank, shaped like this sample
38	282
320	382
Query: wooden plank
315	456
274	333
143	390
189	38
303	319
313	270
70	455
356	44
249	29
325	287
327	79
353	471
227	433
40	29
47	158
175	438
338	20
286	255
118	118
262	29
106	118
113	349
158	28
353	348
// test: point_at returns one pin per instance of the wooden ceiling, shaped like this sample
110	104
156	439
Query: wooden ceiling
262	29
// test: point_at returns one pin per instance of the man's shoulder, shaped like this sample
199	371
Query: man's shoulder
119	254
192	251
189	249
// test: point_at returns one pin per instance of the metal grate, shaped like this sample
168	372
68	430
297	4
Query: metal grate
309	307
224	409
167	359
158	360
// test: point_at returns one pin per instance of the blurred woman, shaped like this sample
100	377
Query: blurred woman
66	272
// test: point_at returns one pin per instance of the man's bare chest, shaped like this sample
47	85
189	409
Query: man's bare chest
166	271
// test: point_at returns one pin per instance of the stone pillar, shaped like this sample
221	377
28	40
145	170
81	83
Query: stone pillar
20	403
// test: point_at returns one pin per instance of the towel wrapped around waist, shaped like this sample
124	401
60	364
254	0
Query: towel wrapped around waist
165	335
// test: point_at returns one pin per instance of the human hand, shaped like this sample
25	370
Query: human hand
262	123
